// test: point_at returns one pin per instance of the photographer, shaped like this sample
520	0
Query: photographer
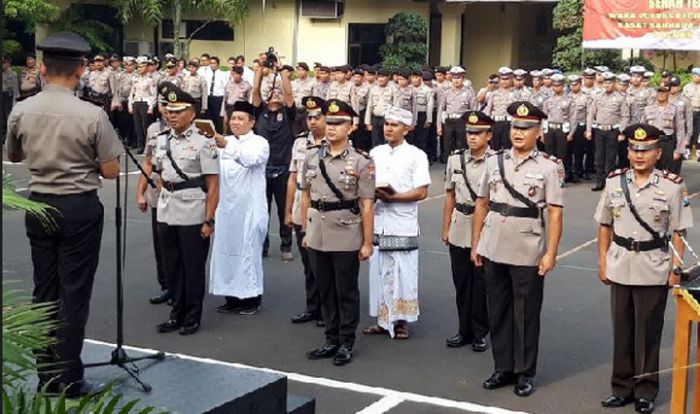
67	144
275	119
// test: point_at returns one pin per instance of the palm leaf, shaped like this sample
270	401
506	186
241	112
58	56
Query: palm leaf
14	201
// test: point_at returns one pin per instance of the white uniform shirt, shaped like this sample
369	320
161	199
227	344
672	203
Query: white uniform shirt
405	168
220	80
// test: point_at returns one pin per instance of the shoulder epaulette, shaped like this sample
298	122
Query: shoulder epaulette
551	157
364	154
617	172
500	151
312	146
302	134
458	151
164	132
672	177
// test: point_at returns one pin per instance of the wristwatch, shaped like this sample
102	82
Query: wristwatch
209	223
677	270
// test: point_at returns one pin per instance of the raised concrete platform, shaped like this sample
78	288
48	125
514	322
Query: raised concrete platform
187	386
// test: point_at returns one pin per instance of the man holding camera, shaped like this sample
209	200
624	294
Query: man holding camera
67	144
275	122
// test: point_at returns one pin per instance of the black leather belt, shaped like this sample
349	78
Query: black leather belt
640	246
465	209
321	205
512	211
197	182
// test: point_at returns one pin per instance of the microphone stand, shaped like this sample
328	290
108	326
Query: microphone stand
119	356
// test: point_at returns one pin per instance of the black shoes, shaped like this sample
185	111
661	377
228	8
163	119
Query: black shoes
644	406
598	187
304	317
480	345
343	356
499	380
229	307
162	297
170	325
249	310
320	322
457	341
616	402
524	387
326	351
189	329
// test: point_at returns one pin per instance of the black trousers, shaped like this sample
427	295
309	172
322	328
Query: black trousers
471	294
124	122
514	296
638	321
668	145
695	136
336	273
501	135
277	189
589	153
622	159
300	121
555	143
432	145
198	106
575	152
7	102
605	153
158	250
313	302
214	111
454	135
419	137
141	122
377	131
185	258
65	261
361	138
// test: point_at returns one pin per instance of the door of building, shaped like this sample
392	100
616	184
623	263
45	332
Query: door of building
364	41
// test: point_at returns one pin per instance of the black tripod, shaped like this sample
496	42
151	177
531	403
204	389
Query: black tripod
119	356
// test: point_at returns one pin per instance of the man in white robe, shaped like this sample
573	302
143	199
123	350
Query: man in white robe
241	218
402	179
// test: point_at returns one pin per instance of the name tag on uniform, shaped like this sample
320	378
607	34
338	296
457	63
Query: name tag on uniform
535	176
658	198
458	171
310	167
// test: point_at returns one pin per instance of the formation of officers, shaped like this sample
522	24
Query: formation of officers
509	149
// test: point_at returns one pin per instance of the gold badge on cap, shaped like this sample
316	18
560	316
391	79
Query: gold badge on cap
310	104
522	110
473	119
333	108
640	133
172	96
164	89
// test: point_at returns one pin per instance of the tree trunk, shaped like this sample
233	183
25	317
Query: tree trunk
177	20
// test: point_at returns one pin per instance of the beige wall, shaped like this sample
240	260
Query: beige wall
450	36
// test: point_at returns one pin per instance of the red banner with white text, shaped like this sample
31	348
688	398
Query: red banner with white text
641	24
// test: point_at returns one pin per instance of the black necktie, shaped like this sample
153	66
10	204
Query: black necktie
211	87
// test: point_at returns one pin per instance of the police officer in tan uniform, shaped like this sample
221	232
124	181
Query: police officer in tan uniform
381	96
189	167
237	89
608	115
360	137
641	211
425	108
301	87
639	96
340	88
560	110
66	144
665	116
462	178
509	238
142	102
337	216
316	133
692	92
685	110
196	85
496	108
452	104
574	163
101	84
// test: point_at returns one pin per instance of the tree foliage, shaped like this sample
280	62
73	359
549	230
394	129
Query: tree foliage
31	12
75	19
568	54
153	12
406	41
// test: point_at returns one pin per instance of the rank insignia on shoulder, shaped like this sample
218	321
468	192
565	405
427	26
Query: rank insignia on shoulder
457	151
617	172
672	177
164	132
551	157
364	154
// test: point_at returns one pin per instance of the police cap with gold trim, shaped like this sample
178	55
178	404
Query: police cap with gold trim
477	121
525	114
313	105
642	137
337	111
177	99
